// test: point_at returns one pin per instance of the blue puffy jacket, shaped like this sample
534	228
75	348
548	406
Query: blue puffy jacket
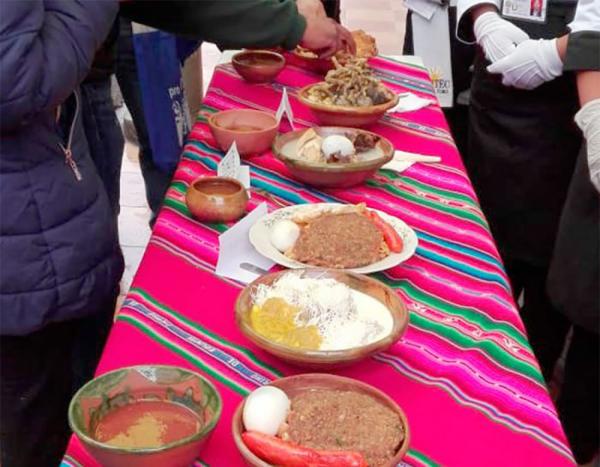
59	253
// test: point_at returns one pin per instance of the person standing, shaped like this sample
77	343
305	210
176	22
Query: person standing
574	277
523	143
60	259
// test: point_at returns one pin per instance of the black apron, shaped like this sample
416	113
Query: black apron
574	278
522	150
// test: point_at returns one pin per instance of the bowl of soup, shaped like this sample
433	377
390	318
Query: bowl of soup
258	66
216	199
145	416
252	130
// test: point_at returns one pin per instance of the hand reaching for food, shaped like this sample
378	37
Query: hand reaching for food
311	8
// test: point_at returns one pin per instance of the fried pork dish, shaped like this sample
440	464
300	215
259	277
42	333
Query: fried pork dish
344	420
339	240
366	47
350	85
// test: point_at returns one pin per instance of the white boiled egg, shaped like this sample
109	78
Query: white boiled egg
284	234
265	410
337	144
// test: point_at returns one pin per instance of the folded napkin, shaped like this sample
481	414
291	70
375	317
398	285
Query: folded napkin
403	160
410	102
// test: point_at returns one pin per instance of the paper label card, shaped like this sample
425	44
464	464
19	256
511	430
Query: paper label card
285	108
230	164
237	257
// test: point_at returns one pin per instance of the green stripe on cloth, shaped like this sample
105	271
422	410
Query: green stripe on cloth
422	458
205	331
438	206
392	175
182	352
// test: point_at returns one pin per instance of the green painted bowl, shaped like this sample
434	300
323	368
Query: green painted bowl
118	388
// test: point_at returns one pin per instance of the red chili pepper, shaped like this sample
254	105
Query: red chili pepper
391	237
283	453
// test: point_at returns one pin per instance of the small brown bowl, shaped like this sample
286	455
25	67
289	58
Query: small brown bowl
216	199
331	175
295	385
258	66
252	130
324	359
311	63
340	115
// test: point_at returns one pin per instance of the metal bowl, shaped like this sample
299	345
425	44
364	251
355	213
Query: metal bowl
335	175
295	385
325	359
115	389
340	115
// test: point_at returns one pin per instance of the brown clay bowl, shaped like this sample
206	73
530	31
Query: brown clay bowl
312	63
339	115
216	199
295	385
258	66
252	130
334	175
324	359
113	390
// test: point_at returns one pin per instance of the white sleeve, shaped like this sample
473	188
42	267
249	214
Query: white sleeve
464	23
587	16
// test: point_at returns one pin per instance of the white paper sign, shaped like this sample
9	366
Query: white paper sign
285	108
230	166
236	253
410	102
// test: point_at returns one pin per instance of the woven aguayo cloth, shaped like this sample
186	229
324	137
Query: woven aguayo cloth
464	372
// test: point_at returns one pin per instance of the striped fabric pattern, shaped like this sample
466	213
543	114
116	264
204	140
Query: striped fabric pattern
464	371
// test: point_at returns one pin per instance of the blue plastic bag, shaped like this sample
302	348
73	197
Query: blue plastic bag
165	108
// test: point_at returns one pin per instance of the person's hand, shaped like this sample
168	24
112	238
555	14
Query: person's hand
496	36
308	8
588	119
346	40
322	36
531	64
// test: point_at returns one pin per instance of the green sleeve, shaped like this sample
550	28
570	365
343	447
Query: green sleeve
583	51
227	23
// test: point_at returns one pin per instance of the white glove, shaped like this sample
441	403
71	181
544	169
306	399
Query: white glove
532	63
588	119
496	36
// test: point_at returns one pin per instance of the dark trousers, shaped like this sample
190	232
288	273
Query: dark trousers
156	180
104	136
40	372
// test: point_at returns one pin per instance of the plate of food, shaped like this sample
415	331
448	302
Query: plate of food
366	47
333	157
320	318
350	96
320	419
335	236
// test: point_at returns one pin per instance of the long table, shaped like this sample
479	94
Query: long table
464	372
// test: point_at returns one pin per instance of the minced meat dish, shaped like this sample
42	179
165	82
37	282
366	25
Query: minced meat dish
347	240
345	421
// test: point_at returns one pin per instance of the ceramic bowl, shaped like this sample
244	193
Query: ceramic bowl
308	62
258	66
295	385
115	389
252	130
334	175
348	116
216	199
324	359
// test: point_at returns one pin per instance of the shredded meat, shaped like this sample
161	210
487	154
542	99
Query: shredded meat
345	420
346	240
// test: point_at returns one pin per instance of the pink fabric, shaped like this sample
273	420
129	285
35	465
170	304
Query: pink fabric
463	372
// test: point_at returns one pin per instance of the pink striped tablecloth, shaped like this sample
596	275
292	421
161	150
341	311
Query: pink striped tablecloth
464	371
